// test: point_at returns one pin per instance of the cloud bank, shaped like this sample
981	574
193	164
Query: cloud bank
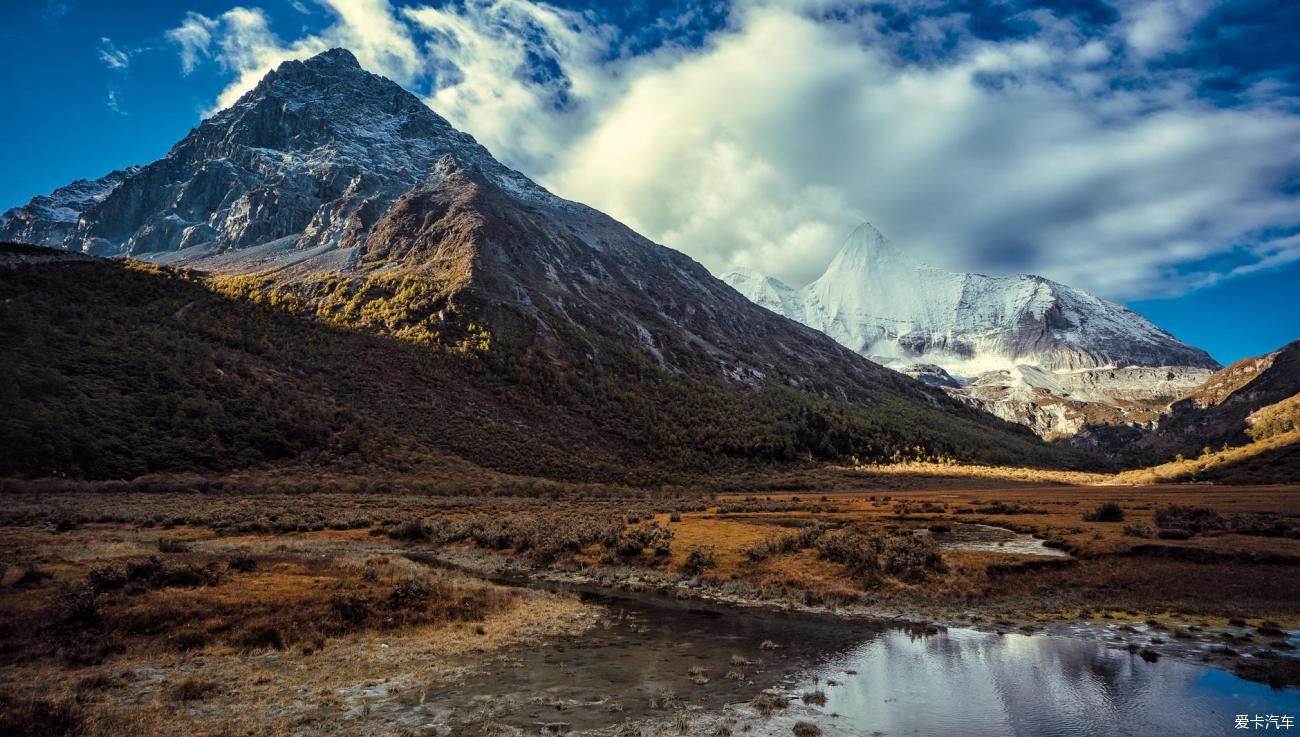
1080	146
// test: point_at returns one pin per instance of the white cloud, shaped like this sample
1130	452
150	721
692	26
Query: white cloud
112	56
194	37
113	103
765	146
1157	27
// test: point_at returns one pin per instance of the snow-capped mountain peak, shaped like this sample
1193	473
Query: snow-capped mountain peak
1026	348
878	300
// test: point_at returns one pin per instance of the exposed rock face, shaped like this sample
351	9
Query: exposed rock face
314	154
48	220
1025	348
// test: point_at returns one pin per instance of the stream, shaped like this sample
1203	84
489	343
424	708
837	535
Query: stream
653	657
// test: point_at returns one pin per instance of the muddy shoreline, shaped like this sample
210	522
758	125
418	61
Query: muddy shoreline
1220	647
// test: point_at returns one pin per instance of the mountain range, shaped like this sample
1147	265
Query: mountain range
1023	347
548	338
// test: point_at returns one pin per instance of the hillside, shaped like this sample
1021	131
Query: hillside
119	369
1224	410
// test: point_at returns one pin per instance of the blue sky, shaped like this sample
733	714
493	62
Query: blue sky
1146	150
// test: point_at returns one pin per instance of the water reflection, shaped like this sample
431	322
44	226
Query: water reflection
878	679
970	683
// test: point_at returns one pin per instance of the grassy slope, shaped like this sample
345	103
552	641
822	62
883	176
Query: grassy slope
1274	459
123	369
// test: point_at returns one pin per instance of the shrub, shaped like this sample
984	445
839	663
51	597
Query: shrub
1105	512
635	540
411	530
698	561
242	563
854	551
261	634
352	609
807	729
77	604
1265	525
816	698
144	571
409	594
1191	519
106	578
910	556
998	507
900	554
804	538
1137	530
188	575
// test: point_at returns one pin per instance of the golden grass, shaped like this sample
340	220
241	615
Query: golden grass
1189	469
921	469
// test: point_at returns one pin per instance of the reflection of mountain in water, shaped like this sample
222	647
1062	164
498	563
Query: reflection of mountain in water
968	683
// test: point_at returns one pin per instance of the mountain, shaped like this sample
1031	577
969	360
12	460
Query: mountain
878	301
543	326
1028	349
1252	399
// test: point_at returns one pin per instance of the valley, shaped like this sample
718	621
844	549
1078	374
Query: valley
328	422
366	613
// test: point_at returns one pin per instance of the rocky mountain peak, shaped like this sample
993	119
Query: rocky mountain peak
303	163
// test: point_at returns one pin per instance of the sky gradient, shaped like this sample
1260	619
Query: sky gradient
1144	150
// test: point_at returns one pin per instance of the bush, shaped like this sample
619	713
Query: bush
804	538
1105	512
409	594
144	571
106	578
910	557
635	540
1137	530
1192	519
411	531
854	551
767	704
242	563
698	561
807	729
1264	525
900	554
352	609
77	605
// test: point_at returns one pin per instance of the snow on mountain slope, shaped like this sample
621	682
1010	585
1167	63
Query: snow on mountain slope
48	219
1011	342
875	299
314	154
